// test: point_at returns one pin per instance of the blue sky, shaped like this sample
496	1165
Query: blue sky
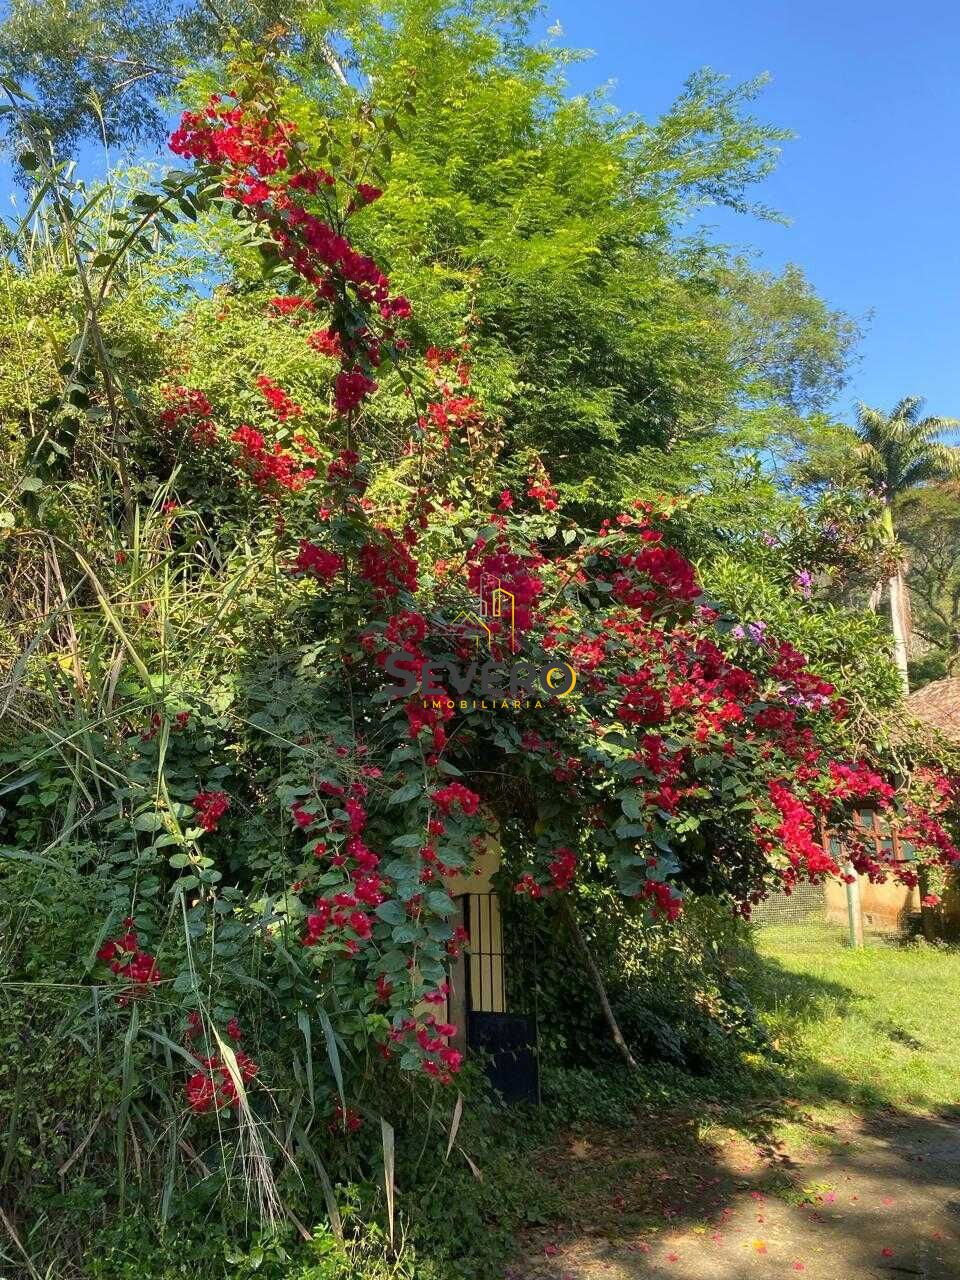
872	91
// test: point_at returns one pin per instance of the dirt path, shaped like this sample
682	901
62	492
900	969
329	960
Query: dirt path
873	1199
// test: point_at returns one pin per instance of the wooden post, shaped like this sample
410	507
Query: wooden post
854	912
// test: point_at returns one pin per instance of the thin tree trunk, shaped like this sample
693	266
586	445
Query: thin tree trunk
899	605
899	618
597	979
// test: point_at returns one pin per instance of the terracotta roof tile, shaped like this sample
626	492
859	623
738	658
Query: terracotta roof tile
938	705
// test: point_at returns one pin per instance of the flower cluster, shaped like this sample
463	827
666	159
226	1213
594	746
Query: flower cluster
437	1058
507	584
455	794
344	1119
126	959
272	468
213	1087
654	576
187	407
209	807
317	561
283	406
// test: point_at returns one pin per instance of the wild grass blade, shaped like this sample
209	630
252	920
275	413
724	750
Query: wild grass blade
389	1169
303	1022
126	1091
333	1210
333	1054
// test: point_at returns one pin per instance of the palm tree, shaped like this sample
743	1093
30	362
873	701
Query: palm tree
898	452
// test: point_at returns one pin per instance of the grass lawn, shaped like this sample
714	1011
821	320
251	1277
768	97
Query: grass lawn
877	1026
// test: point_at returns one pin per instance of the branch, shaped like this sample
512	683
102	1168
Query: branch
597	979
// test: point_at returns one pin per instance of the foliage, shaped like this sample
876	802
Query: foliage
928	520
670	986
605	338
893	456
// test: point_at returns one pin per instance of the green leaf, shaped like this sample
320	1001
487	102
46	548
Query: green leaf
440	903
403	794
391	911
150	821
633	804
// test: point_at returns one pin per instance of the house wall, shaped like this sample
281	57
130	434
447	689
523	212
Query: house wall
885	907
948	915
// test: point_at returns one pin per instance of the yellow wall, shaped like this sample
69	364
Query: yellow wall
884	906
477	878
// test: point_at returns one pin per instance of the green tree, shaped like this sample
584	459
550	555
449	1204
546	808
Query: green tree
631	354
928	525
897	453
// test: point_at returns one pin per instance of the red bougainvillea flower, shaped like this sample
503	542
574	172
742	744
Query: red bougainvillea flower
189	408
539	487
562	868
127	960
271	468
507	583
388	565
317	561
282	404
350	388
326	342
528	884
201	1092
213	1087
209	807
652	575
344	1119
664	902
455	793
290	306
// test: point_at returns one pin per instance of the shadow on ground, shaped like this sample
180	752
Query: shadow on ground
769	1189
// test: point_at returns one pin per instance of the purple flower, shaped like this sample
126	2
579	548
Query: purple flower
803	583
738	632
756	630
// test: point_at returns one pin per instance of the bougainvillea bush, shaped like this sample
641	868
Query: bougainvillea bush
385	660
